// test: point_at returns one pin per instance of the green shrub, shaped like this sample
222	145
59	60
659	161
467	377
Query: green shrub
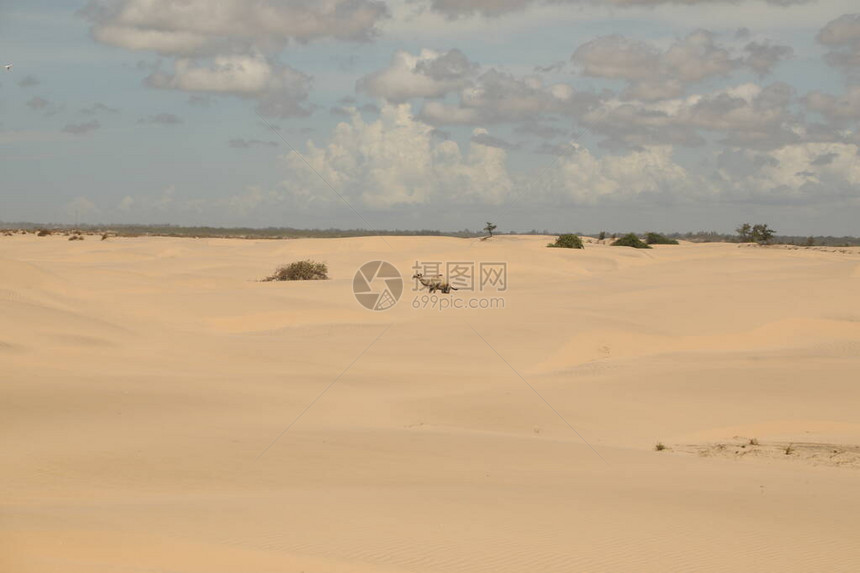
658	239
43	233
567	241
306	270
630	240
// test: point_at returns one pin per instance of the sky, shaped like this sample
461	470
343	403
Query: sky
564	115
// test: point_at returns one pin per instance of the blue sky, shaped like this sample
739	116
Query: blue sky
570	115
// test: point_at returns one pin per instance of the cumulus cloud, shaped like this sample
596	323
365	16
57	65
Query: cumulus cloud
802	172
206	28
498	97
791	174
397	161
836	108
278	89
482	137
747	115
582	177
430	74
229	47
842	36
493	8
654	74
762	57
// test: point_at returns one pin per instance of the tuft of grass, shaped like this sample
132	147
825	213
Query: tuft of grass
306	270
789	450
630	240
754	442
76	238
660	447
658	239
568	241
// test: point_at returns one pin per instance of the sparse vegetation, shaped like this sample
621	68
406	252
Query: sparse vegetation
754	442
306	270
490	228
630	240
658	239
601	236
43	233
567	241
115	230
76	238
789	449
660	447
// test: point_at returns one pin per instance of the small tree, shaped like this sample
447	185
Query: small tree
745	232
490	228
567	241
601	236
762	234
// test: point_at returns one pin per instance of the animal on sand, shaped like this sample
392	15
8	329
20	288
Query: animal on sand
434	283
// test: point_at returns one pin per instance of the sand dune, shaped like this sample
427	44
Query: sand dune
147	384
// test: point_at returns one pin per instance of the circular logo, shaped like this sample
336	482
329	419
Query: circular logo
377	285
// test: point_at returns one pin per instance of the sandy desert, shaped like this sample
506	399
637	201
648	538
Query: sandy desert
163	410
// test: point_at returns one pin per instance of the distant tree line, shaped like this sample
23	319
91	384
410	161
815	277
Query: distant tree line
168	230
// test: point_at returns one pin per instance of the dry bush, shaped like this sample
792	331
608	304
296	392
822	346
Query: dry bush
306	270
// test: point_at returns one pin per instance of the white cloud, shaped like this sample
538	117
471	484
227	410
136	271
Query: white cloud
653	74
798	173
396	161
429	74
204	27
836	108
842	36
584	178
279	90
498	97
744	115
228	47
495	8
